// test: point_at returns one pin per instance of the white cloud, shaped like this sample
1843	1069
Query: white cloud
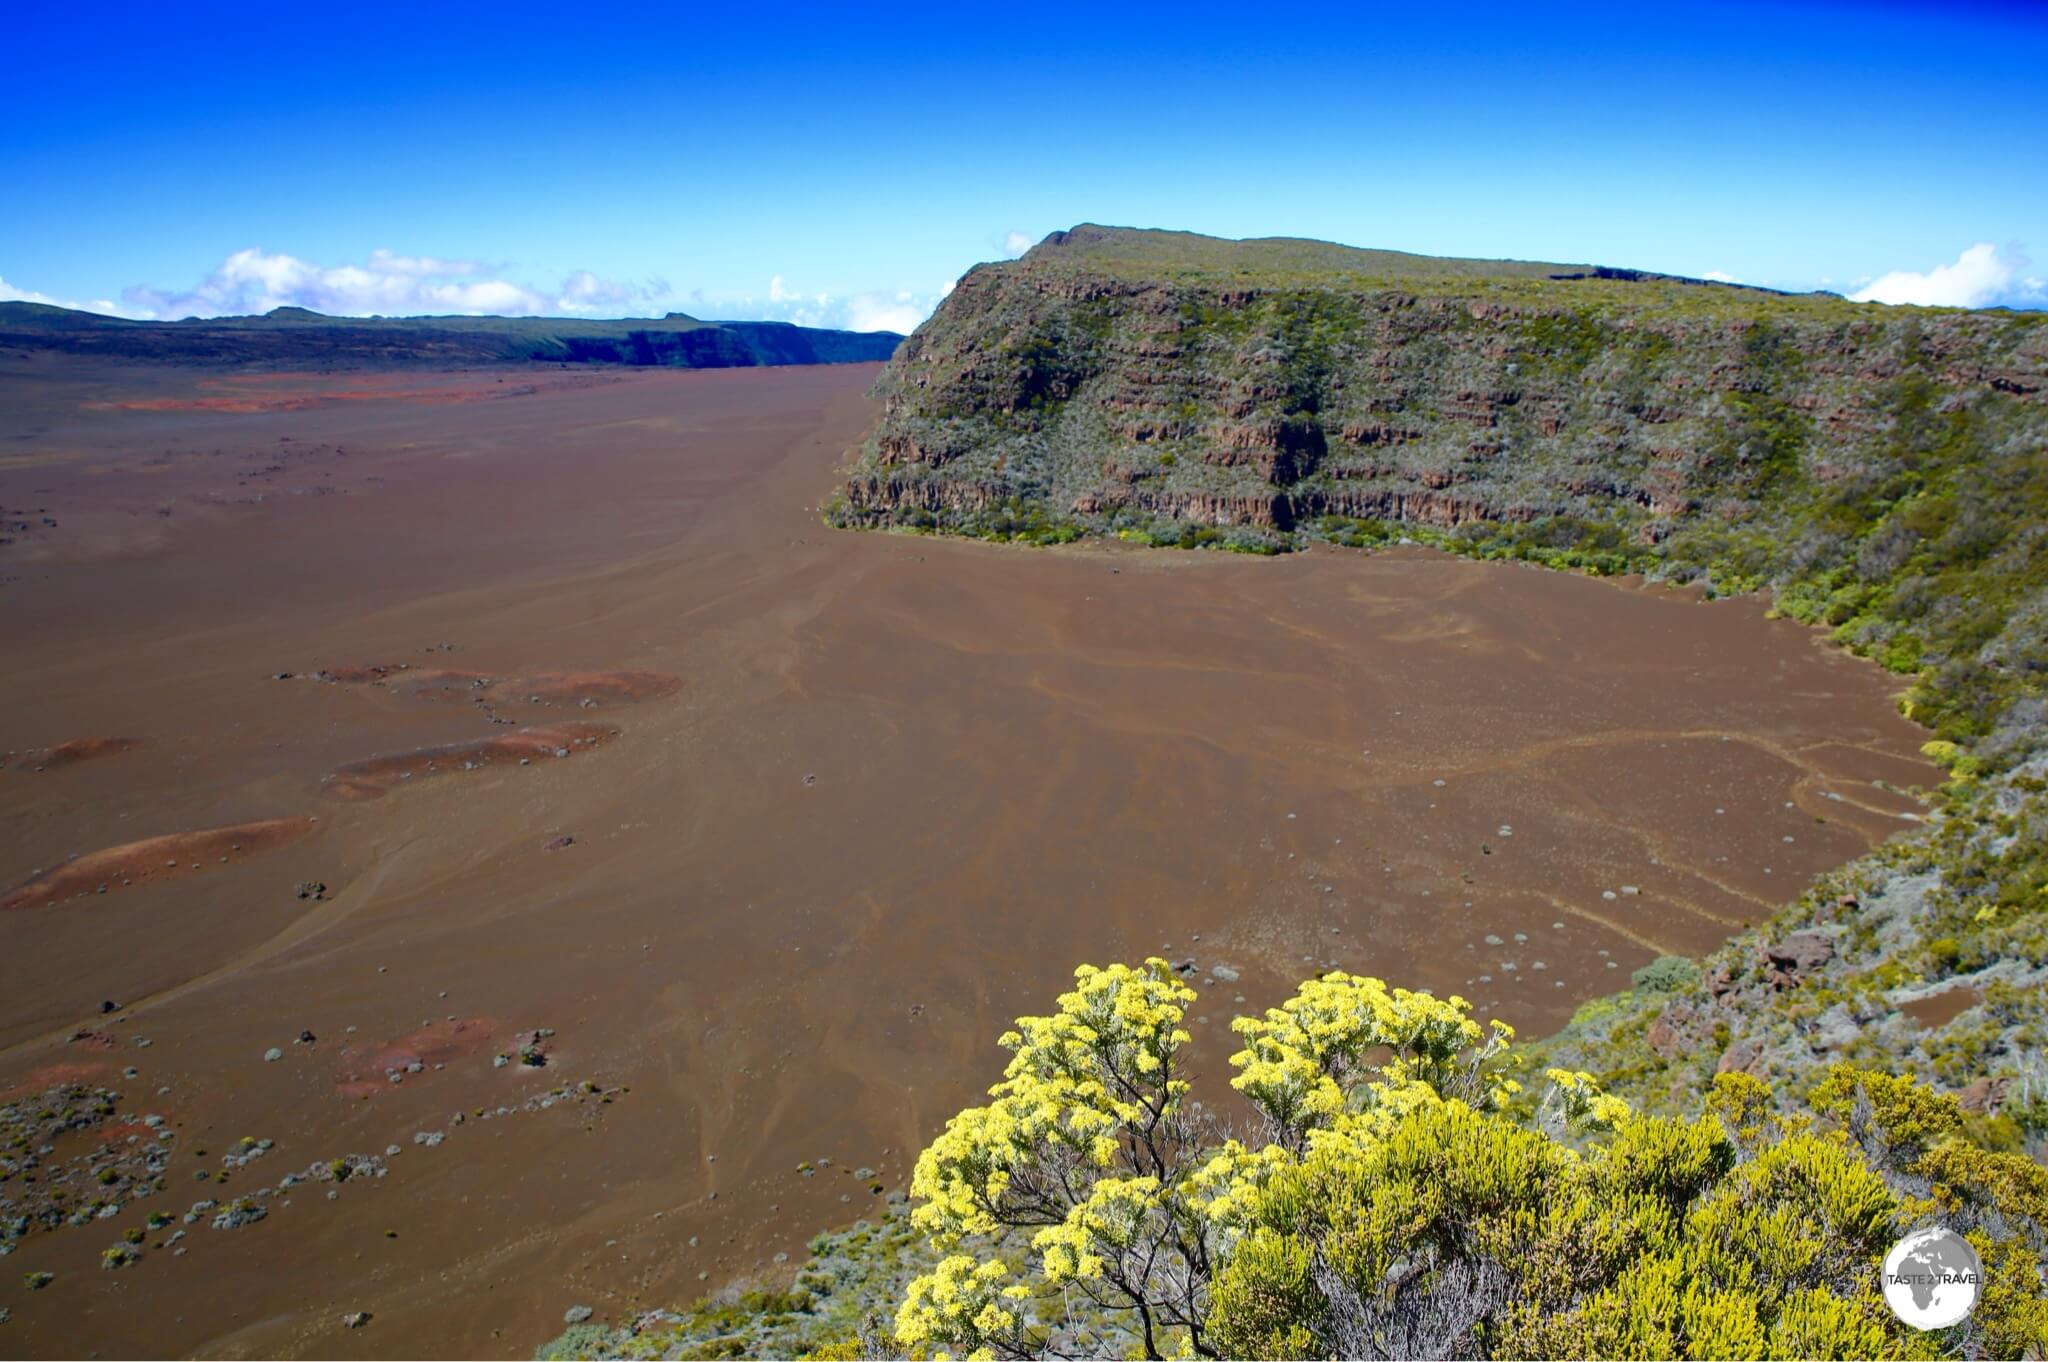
390	285
1982	276
584	292
1015	244
898	310
1721	277
255	281
10	294
873	312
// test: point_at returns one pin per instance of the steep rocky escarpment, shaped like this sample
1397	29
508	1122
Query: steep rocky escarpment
1122	379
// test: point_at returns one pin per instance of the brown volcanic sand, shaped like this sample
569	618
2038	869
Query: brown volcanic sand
905	786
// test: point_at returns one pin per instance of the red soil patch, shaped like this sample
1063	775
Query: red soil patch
56	1076
365	1071
177	853
566	687
435	683
70	753
618	688
376	776
425	683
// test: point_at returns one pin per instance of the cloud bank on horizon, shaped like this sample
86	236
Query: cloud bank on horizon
1982	276
253	281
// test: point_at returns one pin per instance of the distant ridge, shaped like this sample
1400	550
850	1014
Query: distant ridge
294	335
1152	253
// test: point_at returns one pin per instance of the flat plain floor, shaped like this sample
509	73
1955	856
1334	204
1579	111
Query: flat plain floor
841	805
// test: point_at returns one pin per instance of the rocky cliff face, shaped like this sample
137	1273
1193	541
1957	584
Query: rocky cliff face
1118	378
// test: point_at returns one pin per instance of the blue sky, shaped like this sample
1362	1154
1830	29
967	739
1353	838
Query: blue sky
842	166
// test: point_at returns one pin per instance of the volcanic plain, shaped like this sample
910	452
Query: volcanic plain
483	834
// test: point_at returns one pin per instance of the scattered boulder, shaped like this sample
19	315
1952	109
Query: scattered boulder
355	1319
576	1314
1673	1033
1984	1095
1740	1057
312	889
1797	956
558	843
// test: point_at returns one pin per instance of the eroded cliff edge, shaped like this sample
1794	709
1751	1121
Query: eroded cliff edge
1115	378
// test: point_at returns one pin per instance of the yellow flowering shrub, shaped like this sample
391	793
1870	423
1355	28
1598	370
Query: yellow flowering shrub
1305	1062
1087	1144
960	1304
1397	1208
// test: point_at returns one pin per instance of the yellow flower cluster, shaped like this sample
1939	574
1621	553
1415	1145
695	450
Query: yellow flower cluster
1102	1061
1584	1104
958	1304
1096	1069
1302	1060
1109	1220
1225	1190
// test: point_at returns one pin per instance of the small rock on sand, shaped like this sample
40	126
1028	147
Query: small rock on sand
272	1055
576	1314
